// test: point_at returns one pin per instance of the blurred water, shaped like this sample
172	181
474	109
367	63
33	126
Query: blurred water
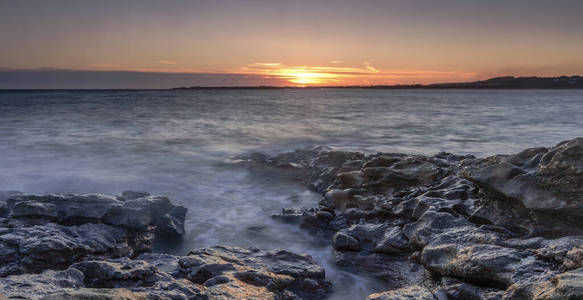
178	143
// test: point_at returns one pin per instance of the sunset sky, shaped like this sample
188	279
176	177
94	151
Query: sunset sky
159	44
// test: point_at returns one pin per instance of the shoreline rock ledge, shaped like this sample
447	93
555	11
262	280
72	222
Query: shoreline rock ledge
505	227
449	226
40	232
94	246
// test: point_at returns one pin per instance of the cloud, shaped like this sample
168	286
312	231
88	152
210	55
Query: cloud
369	66
336	62
271	65
107	66
167	62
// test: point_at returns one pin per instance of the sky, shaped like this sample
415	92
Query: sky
162	44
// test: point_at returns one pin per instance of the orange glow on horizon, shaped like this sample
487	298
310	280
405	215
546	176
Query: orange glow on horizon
363	75
305	77
334	75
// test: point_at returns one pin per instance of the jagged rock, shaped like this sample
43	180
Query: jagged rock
485	265
568	285
454	288
549	182
52	246
343	241
208	273
408	293
479	225
99	294
396	271
393	241
34	286
433	227
224	270
54	231
76	209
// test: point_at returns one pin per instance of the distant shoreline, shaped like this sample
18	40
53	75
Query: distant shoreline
509	82
497	83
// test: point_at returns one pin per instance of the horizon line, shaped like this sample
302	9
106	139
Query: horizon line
480	84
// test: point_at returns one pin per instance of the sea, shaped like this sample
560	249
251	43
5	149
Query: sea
185	144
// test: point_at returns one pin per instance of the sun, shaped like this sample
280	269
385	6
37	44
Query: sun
305	78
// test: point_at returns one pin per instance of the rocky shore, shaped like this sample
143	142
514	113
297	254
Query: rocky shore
450	226
432	227
92	246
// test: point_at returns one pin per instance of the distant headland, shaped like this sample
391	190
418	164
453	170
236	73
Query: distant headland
508	82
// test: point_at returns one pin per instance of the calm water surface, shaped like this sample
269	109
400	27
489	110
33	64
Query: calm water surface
179	143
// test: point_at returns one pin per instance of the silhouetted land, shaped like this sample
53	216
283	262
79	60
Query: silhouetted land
509	82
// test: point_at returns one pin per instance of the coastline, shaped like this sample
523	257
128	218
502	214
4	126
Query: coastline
505	226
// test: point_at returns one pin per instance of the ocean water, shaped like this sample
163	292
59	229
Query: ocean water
181	144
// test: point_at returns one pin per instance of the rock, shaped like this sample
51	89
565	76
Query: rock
54	231
482	228
132	195
453	288
343	241
484	265
568	285
350	179
52	246
37	285
396	271
97	294
393	242
75	209
273	272
549	182
208	273
408	293
119	273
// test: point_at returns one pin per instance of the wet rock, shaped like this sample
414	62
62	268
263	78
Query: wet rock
568	285
132	195
408	293
52	246
393	241
350	179
566	253
343	241
119	273
484	265
208	273
97	294
549	182
43	232
477	225
396	271
251	272
454	288
34	286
